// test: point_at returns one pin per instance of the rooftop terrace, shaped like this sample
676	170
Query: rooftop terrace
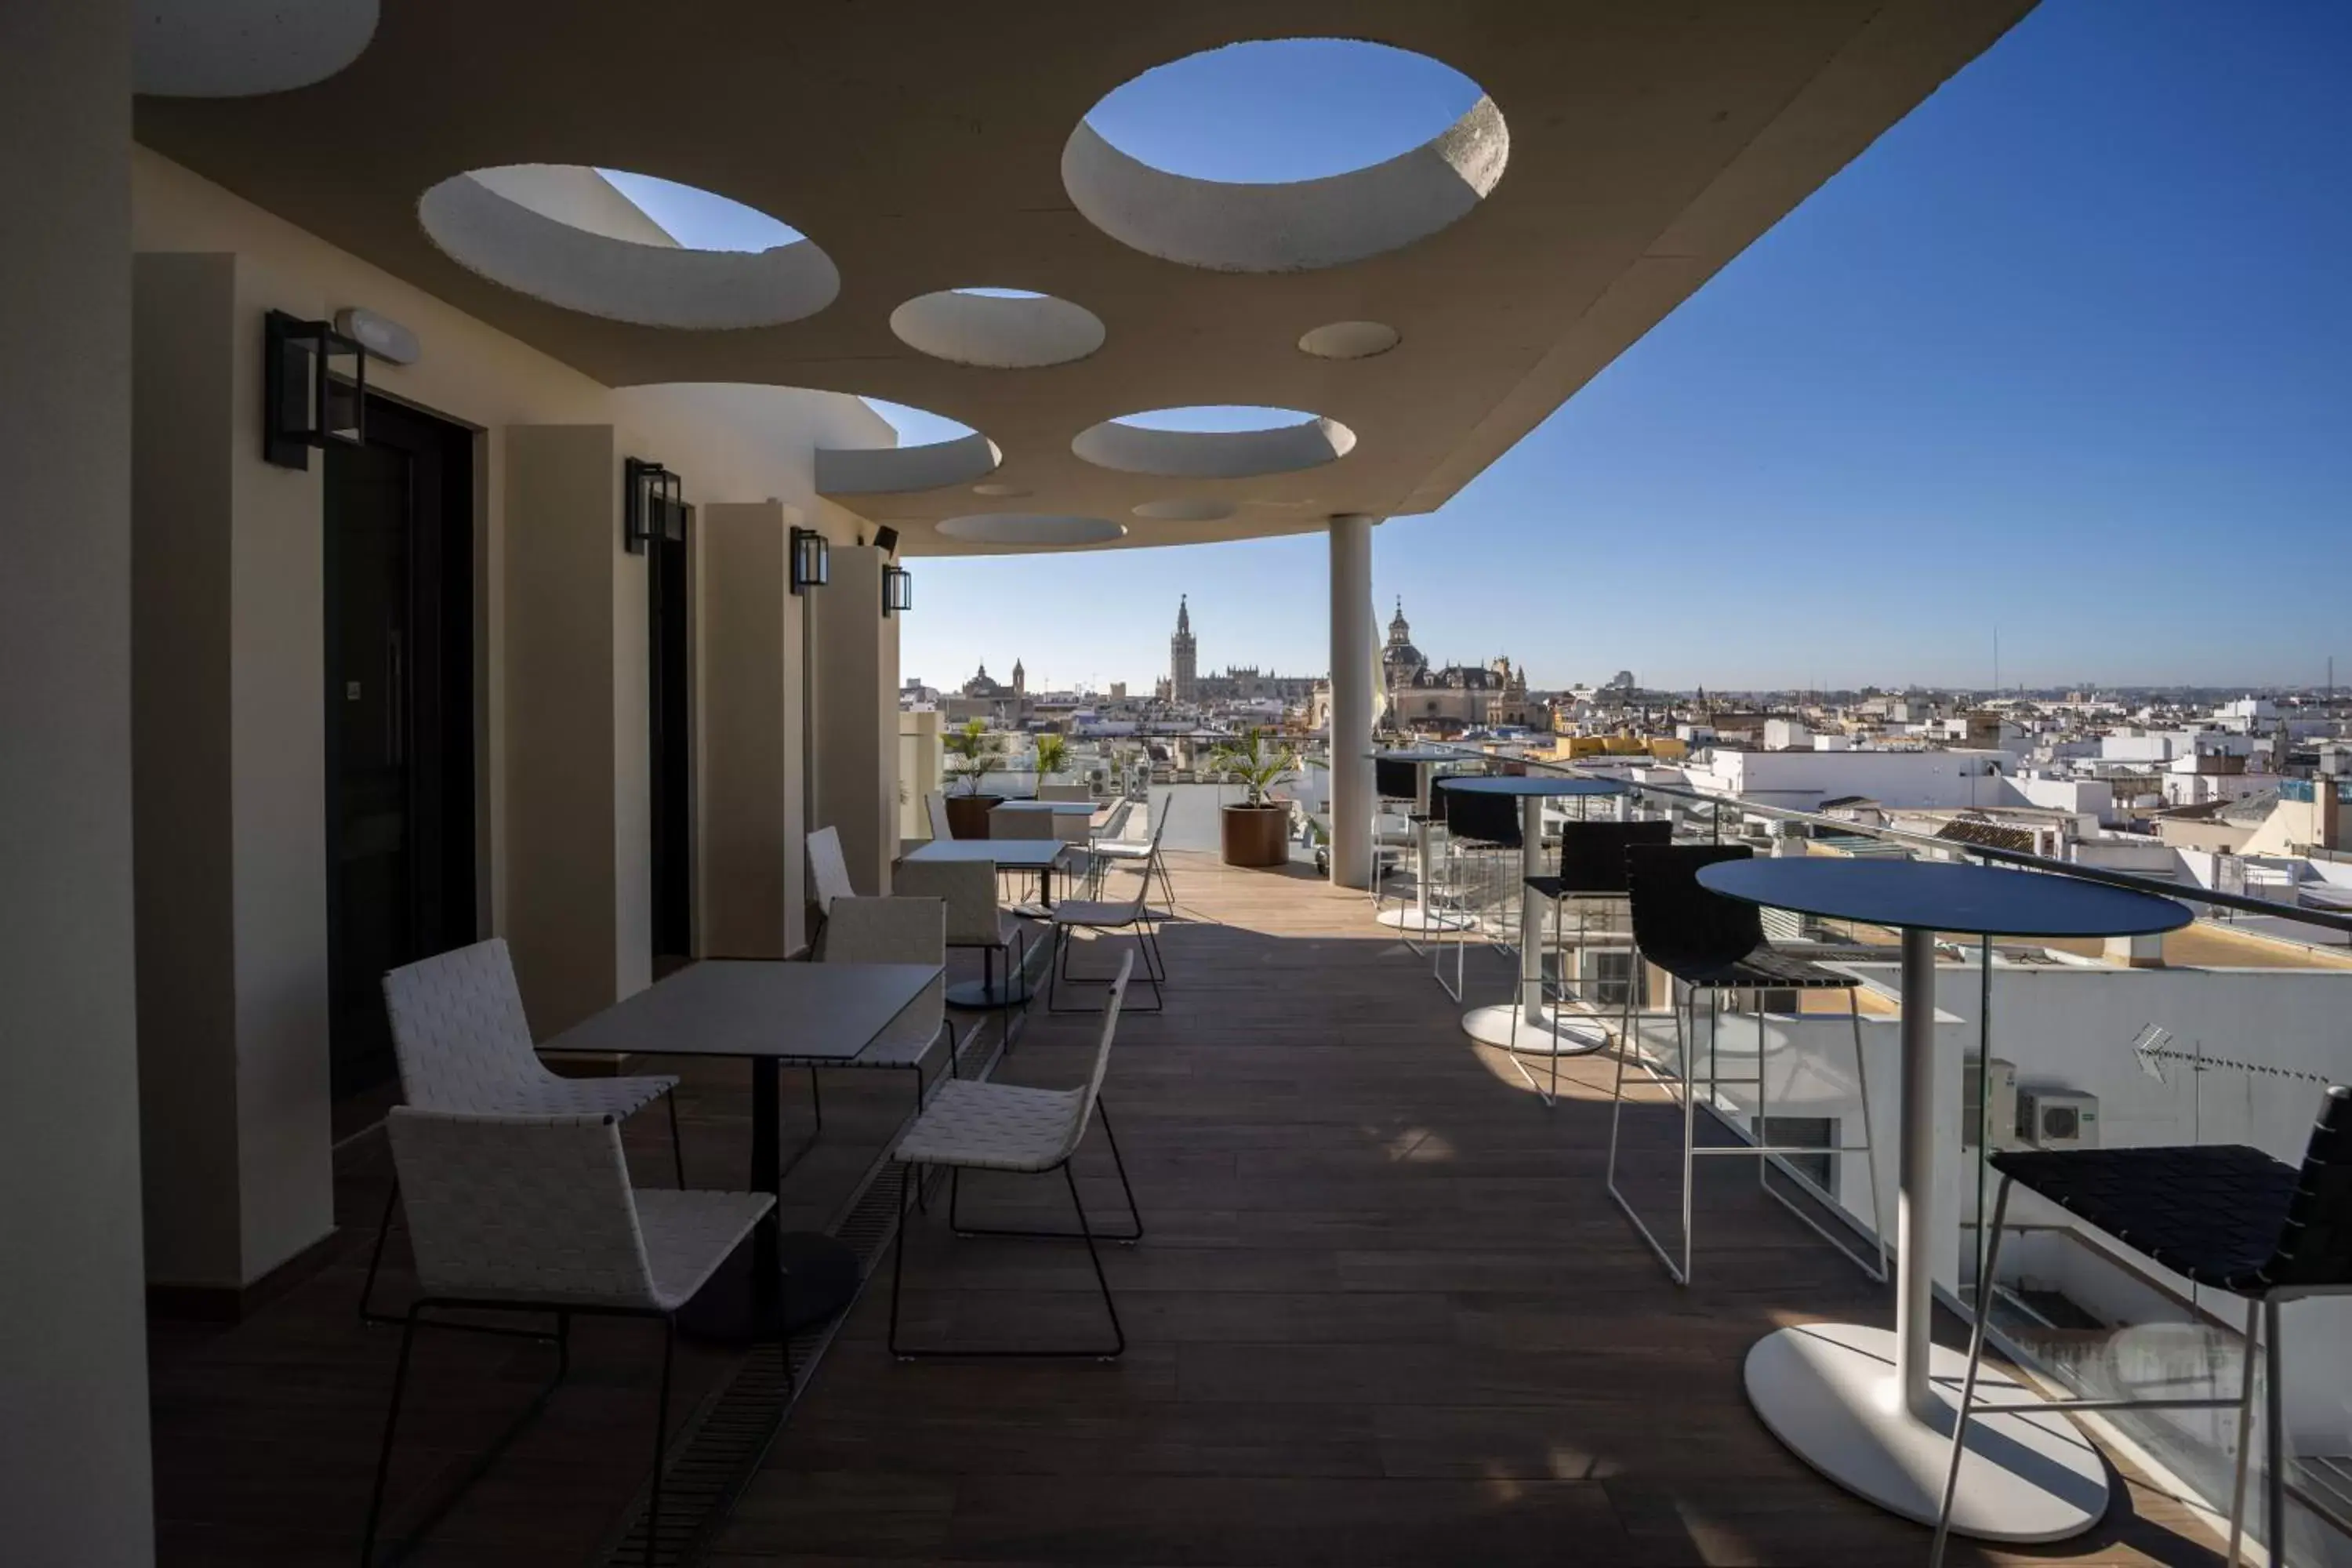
1384	1312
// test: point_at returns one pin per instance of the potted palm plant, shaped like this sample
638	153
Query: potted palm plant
1052	755
969	750
1255	829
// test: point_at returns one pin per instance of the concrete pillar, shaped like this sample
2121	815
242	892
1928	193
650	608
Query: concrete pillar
74	1478
753	860
1351	699
856	719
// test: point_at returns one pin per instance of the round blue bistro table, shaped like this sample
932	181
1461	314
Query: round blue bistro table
1871	1410
1418	918
1524	1024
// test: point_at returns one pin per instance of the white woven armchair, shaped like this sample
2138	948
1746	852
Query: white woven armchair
980	1126
463	1045
889	931
1130	916
535	1214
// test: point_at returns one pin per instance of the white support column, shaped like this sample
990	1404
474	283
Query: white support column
1351	699
74	1479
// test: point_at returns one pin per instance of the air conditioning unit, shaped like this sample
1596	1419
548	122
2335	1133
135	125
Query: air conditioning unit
2003	1109
2058	1118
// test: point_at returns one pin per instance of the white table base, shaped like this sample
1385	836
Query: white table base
1873	1410
1511	1026
1830	1392
1416	921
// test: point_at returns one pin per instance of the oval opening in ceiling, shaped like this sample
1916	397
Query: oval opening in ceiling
1214	442
1031	528
1284	155
1348	340
932	453
997	329
1278	111
241	48
575	237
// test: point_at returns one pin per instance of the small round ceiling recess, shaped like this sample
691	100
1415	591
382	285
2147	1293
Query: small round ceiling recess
1348	340
1186	509
1236	444
997	329
240	49
1021	528
1418	150
565	235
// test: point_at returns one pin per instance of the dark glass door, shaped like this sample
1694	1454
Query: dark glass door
400	719
670	711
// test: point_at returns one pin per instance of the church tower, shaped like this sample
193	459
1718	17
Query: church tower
1183	667
1020	679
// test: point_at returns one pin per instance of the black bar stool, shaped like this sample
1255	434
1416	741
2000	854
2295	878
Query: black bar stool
1713	944
1481	827
1591	869
1394	785
2224	1215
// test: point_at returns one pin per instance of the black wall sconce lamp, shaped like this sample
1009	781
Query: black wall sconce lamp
897	590
313	388
653	503
811	560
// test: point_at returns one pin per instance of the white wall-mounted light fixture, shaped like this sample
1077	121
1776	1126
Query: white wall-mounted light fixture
383	337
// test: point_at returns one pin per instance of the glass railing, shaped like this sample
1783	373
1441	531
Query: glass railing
2228	1031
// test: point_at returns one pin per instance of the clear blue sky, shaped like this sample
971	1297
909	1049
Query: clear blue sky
2067	353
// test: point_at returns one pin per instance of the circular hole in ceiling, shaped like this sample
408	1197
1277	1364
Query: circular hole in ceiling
932	452
1284	155
997	329
628	248
1348	340
1186	510
1214	442
238	48
1031	528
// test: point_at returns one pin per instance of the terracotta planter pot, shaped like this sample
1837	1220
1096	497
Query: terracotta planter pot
1257	835
968	814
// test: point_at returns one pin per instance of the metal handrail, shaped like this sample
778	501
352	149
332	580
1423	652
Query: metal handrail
2326	920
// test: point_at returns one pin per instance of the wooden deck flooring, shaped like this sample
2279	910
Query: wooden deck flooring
1384	1313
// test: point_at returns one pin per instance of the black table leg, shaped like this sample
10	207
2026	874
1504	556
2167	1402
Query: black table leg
786	1281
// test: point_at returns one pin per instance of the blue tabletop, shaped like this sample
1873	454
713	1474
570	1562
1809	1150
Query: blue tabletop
1533	784
1945	896
1420	757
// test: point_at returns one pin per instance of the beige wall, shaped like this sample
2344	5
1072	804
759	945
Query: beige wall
74	1474
559	684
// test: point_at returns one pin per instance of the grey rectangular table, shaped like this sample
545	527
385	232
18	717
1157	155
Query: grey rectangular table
1038	854
762	1011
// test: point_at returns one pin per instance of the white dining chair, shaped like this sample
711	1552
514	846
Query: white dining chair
828	872
889	931
462	1043
535	1214
1131	916
935	806
975	919
978	1126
